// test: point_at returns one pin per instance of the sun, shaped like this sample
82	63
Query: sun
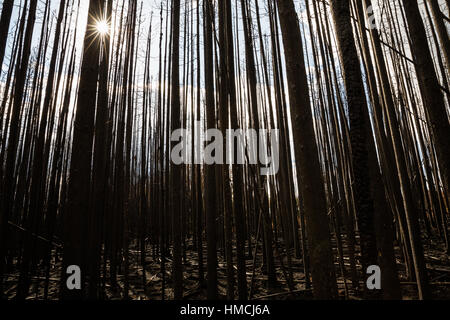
102	27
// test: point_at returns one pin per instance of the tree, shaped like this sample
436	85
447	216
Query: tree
76	217
175	174
431	91
8	185
359	132
306	154
5	21
210	179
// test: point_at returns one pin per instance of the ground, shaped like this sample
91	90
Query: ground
438	264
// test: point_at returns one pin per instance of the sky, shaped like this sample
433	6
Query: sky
151	12
149	8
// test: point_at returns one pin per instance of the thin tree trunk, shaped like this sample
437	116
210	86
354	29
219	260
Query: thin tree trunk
5	21
306	154
76	219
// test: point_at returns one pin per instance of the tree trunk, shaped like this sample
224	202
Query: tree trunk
359	132
5	21
431	92
176	171
306	154
76	216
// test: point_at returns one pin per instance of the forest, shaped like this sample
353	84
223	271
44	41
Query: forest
224	150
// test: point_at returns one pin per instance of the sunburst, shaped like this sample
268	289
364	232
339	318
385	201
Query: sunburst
99	30
102	28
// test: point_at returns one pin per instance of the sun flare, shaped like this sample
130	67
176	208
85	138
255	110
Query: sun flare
102	27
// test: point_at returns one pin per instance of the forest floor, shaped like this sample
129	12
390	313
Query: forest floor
438	265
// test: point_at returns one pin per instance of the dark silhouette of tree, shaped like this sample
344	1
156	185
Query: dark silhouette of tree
306	154
76	218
